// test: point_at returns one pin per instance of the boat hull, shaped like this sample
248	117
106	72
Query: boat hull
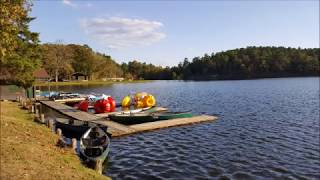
129	119
94	149
138	118
71	130
174	115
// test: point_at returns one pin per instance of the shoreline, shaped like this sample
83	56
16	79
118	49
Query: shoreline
29	150
86	83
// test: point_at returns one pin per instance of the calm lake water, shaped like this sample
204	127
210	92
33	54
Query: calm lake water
267	128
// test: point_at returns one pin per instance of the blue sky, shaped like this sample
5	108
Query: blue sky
165	32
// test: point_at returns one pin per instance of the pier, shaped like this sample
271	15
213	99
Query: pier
117	129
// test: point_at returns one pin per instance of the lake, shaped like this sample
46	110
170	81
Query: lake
267	128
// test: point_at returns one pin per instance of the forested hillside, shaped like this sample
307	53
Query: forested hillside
251	62
61	61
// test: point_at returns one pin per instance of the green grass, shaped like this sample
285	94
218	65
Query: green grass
29	151
85	83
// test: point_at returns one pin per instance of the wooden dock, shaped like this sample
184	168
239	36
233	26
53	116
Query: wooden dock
114	128
117	129
172	122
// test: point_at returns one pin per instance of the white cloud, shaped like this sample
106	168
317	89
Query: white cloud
69	3
116	32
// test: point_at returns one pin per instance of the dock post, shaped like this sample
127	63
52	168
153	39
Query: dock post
32	108
25	104
40	108
59	132
36	117
50	124
74	145
98	166
61	142
21	101
42	120
29	108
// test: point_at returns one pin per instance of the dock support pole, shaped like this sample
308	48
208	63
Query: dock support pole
98	166
37	114
59	132
29	108
50	124
42	120
40	108
32	108
61	141
74	145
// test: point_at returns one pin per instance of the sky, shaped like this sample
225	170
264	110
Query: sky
166	32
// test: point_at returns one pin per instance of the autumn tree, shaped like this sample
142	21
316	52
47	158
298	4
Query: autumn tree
57	59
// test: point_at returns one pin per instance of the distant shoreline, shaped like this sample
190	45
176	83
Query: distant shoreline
85	83
225	78
196	78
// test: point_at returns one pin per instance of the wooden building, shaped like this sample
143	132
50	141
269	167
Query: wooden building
41	75
79	76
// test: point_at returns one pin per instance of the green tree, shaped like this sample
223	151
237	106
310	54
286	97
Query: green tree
19	47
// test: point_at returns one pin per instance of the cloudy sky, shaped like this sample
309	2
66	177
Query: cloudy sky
165	32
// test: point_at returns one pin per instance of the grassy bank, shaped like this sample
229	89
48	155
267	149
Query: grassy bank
29	151
79	83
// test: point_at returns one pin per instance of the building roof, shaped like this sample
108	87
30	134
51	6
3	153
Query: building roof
78	74
41	73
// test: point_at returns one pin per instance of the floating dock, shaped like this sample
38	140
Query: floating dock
117	129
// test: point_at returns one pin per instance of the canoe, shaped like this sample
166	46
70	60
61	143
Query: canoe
94	144
134	118
64	96
144	117
140	110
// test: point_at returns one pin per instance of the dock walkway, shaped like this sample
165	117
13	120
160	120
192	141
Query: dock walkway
114	128
117	129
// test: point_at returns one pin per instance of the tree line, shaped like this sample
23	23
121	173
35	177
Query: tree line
62	60
250	62
244	63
